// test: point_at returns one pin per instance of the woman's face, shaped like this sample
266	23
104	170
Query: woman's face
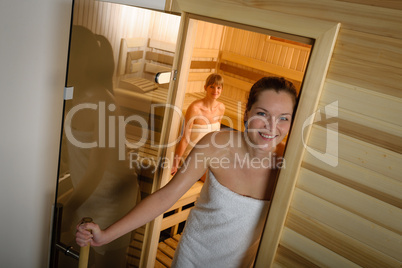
213	91
269	119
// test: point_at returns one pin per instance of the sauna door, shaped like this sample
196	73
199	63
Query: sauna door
120	127
113	125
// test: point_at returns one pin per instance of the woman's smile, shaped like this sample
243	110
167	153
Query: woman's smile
267	136
269	119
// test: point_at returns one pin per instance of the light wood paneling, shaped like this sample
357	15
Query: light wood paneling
380	238
359	178
261	47
374	76
365	206
119	21
312	251
363	101
393	4
369	47
361	153
288	258
362	18
276	69
336	241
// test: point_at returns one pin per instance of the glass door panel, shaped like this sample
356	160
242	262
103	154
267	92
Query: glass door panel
112	125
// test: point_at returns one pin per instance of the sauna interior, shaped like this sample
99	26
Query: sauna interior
144	44
348	215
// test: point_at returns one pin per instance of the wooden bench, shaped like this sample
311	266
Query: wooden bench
167	247
239	73
166	250
181	213
140	59
137	93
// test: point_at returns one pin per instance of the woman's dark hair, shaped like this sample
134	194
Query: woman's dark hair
278	84
91	59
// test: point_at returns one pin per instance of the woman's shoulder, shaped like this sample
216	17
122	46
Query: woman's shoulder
194	107
221	105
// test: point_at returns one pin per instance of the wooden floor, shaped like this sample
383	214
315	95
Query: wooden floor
134	250
166	250
164	255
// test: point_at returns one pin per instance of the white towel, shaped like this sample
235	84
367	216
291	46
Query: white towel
197	132
222	230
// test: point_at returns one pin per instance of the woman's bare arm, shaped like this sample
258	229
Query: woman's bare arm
184	141
152	206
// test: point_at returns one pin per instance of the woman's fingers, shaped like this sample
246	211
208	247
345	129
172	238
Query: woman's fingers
83	239
173	171
84	234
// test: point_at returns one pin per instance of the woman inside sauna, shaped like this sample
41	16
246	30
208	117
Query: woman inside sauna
224	227
202	116
105	189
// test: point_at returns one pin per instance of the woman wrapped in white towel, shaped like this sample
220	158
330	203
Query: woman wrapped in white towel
224	227
202	116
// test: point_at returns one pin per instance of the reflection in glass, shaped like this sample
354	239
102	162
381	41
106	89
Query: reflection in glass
110	143
104	187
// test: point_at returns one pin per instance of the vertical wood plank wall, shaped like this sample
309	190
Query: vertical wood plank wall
256	46
209	36
350	215
117	21
261	47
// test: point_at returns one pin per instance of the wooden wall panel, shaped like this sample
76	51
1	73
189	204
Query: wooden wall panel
361	153
365	79
380	238
383	50
261	47
358	252
208	39
363	205
119	21
393	4
359	178
359	17
315	253
382	109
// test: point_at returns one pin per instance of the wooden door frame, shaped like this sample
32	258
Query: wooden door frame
324	33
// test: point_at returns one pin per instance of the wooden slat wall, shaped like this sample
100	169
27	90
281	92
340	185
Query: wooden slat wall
209	37
249	52
260	47
119	21
350	215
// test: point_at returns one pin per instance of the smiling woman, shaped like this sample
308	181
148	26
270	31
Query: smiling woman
202	116
269	111
234	198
